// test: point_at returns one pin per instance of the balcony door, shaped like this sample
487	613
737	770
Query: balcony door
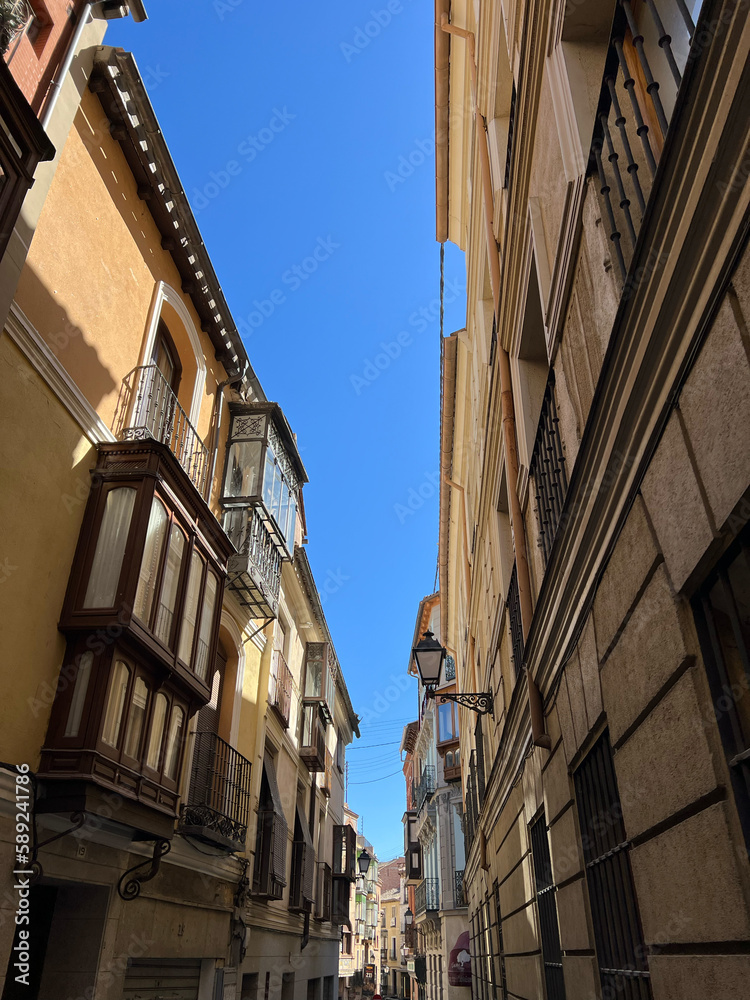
215	779
157	392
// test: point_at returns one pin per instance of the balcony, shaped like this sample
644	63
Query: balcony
459	899
280	688
427	896
218	800
641	79
344	852
426	787
254	573
324	894
148	408
313	749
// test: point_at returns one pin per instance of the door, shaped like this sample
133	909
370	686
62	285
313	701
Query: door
162	979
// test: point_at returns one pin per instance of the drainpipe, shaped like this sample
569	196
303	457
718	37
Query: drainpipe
216	423
507	408
110	12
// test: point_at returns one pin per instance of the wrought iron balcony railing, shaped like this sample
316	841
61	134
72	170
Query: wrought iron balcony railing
148	408
426	786
254	574
459	899
280	687
217	806
427	895
641	79
547	469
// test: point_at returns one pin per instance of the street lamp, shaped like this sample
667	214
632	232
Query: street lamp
408	918
363	861
429	656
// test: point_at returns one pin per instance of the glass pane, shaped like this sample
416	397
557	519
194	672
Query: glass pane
292	523
136	718
268	476
276	499
115	703
165	614
445	721
284	508
157	732
157	529
308	726
243	469
191	607
207	622
110	549
79	694
174	743
314	679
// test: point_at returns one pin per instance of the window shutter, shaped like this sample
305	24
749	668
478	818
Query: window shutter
277	867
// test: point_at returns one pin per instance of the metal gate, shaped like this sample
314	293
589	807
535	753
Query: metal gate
162	979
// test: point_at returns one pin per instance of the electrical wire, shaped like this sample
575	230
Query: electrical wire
372	780
371	746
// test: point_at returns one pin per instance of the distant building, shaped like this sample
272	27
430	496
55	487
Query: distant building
393	905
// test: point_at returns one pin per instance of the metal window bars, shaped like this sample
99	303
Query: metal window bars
459	899
547	469
148	408
631	120
621	951
547	907
426	786
427	895
513	603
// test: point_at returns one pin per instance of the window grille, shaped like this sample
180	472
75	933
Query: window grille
722	613
547	906
547	468
500	953
620	948
516	625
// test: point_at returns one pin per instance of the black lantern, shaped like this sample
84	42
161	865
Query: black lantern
408	918
429	656
363	861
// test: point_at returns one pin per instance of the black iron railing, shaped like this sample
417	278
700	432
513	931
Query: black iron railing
280	687
426	786
148	408
516	625
255	572
427	895
547	907
218	800
547	469
459	899
632	118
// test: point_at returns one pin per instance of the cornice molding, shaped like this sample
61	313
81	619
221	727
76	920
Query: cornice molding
36	351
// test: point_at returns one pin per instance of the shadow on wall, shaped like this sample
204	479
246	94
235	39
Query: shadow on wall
68	343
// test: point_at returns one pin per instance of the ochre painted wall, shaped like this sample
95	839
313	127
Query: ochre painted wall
93	268
44	463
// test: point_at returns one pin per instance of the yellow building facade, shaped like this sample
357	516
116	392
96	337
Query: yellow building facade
173	696
594	498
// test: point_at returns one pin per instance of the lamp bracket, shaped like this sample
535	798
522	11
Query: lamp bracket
480	702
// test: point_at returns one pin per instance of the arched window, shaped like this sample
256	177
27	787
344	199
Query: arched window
78	700
118	690
174	743
136	719
110	548
156	736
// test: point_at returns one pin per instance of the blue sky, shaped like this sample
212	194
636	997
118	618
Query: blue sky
303	135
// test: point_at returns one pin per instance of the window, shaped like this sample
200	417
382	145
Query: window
199	616
621	951
148	575
340	752
174	743
157	732
168	598
105	571
269	872
115	704
547	907
320	683
449	669
722	613
136	718
447	722
80	688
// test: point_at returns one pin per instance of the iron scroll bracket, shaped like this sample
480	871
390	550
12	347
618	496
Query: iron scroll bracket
77	819
129	886
480	702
